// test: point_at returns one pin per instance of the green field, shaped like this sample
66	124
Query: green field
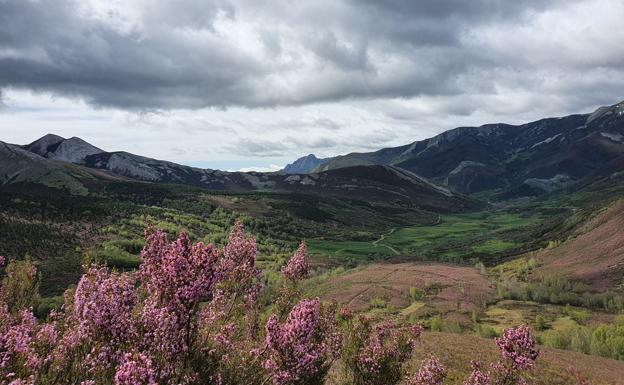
452	237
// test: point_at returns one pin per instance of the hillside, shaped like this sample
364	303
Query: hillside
456	350
593	253
18	166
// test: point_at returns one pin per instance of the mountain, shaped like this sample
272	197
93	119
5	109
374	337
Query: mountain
515	160
73	150
304	165
19	166
382	184
74	164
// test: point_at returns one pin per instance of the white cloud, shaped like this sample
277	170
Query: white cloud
270	168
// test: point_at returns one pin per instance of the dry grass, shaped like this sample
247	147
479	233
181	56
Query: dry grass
456	350
449	288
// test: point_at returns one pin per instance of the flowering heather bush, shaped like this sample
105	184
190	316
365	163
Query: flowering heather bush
374	355
517	346
477	376
135	369
518	353
191	315
431	372
298	351
298	267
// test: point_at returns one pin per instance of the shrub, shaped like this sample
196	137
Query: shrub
540	323
416	294
377	303
435	325
192	315
486	331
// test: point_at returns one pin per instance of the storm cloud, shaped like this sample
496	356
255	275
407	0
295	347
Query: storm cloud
171	54
274	79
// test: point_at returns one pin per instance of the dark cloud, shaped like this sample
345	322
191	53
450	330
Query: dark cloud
145	55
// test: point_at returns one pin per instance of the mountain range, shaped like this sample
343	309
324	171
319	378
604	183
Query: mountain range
513	160
75	165
499	160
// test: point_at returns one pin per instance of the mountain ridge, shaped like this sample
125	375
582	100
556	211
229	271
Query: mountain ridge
76	171
540	156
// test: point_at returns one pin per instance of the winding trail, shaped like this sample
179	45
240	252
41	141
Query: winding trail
382	237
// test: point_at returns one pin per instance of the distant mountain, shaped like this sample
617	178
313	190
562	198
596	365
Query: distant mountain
304	165
20	166
73	150
74	165
528	159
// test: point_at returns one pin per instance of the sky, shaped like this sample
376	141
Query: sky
255	84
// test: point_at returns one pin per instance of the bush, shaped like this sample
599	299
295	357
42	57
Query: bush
540	323
192	314
416	294
486	331
435	325
377	303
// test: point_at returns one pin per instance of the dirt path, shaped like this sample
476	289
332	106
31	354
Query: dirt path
382	237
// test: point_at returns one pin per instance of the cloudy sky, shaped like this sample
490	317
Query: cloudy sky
256	83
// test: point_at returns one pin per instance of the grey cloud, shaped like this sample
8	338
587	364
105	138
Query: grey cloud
259	148
293	145
259	53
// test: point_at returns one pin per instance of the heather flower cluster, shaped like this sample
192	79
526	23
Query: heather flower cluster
298	267
192	315
431	372
375	354
517	345
135	369
518	354
298	351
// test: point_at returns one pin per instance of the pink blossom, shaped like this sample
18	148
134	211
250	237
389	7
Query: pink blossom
238	272
297	350
135	369
431	372
103	306
518	346
178	273
298	267
477	376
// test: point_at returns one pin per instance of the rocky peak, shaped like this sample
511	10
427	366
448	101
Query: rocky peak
73	150
304	165
45	144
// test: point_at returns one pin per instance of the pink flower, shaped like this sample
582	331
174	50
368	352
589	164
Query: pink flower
178	273
298	267
431	372
103	306
477	376
518	346
238	272
297	350
2	260
135	369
